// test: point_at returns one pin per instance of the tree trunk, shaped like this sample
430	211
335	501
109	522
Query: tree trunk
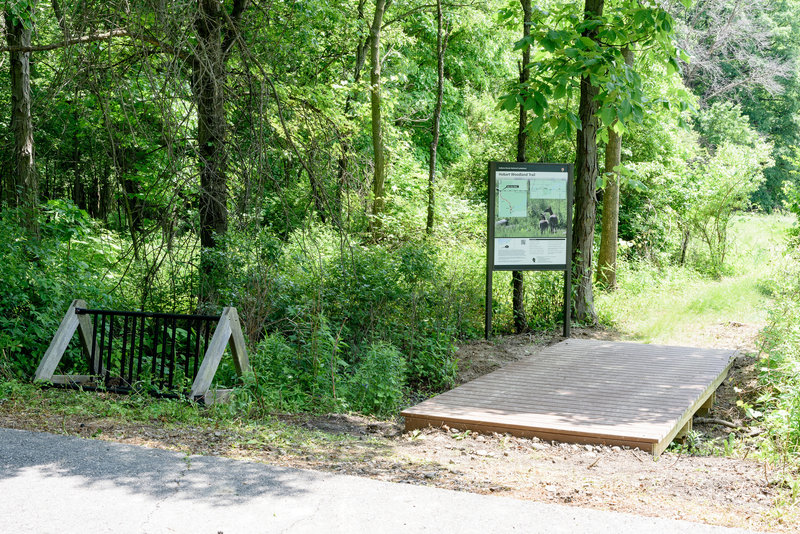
26	186
517	277
607	257
685	235
346	142
378	201
441	46
585	181
208	84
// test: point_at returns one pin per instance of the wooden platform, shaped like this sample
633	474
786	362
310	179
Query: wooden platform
586	391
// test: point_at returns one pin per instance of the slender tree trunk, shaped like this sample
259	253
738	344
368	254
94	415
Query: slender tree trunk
346	143
379	177
441	46
517	277
522	128
607	256
208	84
26	184
585	181
685	235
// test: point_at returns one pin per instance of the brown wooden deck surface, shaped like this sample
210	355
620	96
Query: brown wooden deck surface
586	391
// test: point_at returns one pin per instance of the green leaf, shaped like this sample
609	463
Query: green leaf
600	183
537	108
625	108
548	44
560	91
528	103
508	102
607	115
541	100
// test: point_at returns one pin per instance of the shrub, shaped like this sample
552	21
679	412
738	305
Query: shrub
41	276
377	383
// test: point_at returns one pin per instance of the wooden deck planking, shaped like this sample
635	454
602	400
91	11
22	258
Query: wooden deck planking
586	391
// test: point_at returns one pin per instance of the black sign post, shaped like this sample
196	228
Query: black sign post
529	224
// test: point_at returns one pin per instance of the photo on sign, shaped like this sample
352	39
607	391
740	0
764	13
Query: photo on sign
531	217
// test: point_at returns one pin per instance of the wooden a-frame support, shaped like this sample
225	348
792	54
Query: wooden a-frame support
227	333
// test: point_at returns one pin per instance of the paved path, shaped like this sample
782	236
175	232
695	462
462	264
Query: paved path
57	484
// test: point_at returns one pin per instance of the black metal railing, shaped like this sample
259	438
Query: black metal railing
160	351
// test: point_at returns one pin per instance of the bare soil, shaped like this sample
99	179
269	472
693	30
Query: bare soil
730	490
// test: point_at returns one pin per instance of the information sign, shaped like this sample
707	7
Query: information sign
529	226
529	221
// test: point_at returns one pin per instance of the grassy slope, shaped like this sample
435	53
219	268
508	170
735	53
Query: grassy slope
673	304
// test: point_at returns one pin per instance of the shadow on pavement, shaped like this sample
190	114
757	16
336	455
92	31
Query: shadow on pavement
153	472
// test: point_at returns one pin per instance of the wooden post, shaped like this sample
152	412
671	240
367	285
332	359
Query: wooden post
58	345
228	332
238	348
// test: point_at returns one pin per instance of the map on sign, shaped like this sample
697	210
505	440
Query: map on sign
512	198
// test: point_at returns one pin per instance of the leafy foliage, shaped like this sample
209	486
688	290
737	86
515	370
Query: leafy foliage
41	277
570	46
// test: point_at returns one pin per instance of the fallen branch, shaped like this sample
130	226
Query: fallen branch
715	421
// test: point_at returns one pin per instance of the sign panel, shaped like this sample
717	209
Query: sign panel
529	224
530	215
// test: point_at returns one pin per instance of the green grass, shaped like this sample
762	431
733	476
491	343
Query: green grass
43	408
672	304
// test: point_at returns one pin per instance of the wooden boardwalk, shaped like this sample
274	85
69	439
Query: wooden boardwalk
586	391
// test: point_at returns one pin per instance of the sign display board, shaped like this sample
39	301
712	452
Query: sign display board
529	226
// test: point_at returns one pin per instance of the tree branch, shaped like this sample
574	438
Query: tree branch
99	36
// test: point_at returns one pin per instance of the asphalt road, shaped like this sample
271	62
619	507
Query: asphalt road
57	484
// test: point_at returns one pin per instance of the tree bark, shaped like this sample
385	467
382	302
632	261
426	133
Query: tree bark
379	176
441	46
25	182
216	33
517	277
585	180
607	256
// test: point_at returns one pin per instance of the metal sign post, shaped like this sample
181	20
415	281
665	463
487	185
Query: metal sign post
529	224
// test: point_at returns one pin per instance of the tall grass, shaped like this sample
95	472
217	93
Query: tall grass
672	303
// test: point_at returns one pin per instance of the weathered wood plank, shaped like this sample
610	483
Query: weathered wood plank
217	396
685	420
59	343
547	434
71	379
237	344
85	334
214	352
